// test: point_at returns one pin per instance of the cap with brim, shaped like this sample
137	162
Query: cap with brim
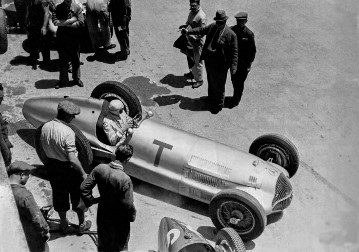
220	16
241	15
68	107
19	166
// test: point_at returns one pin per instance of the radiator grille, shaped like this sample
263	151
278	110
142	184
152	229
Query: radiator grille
283	193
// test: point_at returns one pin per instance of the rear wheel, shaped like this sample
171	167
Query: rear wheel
3	32
82	145
277	149
228	240
111	90
240	211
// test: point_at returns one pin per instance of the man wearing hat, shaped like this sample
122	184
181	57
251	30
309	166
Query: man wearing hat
196	18
220	53
65	170
35	227
246	54
5	143
116	123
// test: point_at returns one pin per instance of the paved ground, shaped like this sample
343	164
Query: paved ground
303	84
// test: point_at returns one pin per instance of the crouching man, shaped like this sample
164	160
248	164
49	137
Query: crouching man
116	208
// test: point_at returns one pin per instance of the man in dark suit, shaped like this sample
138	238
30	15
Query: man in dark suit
246	54
121	15
220	53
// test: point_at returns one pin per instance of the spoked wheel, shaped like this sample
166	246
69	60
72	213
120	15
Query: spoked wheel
111	90
228	240
277	149
240	211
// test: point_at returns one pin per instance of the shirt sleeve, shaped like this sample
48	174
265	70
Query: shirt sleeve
86	189
79	15
36	217
110	132
70	142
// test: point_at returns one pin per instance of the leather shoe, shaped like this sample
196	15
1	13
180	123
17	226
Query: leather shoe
197	84
189	75
109	47
79	83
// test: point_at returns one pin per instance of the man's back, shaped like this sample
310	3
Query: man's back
116	190
34	225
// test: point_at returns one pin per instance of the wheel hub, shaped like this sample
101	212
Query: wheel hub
236	217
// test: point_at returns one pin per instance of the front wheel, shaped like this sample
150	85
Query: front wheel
277	149
240	211
111	90
228	240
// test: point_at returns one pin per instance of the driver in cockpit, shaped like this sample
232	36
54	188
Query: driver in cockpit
117	123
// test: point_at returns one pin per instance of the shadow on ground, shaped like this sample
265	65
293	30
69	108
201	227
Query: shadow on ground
103	56
185	103
175	81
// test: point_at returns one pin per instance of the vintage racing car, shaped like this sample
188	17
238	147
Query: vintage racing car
242	189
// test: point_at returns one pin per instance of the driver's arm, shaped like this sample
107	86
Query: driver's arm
112	136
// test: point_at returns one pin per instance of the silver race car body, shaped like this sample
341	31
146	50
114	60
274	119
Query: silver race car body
186	164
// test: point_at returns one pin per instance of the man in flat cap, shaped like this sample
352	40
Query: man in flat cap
116	123
246	54
65	170
196	18
220	53
36	229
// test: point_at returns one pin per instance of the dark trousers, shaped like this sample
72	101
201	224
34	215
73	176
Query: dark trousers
113	232
65	183
216	78
68	44
238	80
123	38
38	43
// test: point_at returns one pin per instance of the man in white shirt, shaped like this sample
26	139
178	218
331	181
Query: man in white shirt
65	170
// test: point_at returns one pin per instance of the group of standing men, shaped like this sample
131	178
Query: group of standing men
47	18
70	183
224	48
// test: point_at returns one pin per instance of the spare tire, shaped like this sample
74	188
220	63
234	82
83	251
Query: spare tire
3	32
83	147
111	90
229	240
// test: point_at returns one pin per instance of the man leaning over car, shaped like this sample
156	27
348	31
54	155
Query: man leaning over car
65	170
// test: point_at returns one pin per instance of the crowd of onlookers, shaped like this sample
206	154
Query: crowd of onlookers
65	21
223	48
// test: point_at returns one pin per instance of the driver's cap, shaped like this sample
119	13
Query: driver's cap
115	105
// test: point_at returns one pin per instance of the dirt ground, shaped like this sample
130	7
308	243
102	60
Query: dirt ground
303	84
